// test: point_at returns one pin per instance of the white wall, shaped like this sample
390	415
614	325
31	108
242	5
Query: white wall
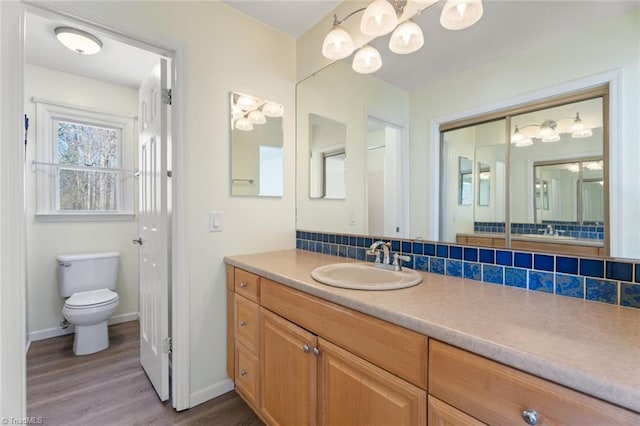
608	46
45	240
224	51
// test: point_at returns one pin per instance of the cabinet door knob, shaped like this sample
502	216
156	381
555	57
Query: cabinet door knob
316	351
306	349
530	416
243	285
243	323
243	373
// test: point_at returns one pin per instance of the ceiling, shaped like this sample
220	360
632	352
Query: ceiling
505	28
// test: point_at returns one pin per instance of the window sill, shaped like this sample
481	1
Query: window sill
84	217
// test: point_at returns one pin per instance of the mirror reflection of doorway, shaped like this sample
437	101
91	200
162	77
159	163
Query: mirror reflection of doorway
383	178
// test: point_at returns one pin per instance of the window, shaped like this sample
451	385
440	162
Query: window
82	162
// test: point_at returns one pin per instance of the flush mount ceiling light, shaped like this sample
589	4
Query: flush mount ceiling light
548	131
381	17
77	40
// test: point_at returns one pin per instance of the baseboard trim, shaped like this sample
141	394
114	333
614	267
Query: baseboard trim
59	331
210	392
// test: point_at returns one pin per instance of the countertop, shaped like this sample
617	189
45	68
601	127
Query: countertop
588	346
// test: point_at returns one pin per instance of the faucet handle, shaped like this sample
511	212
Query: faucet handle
374	252
397	257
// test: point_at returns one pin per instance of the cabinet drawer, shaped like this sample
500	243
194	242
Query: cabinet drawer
441	414
247	374
398	350
480	241
498	395
247	284
246	324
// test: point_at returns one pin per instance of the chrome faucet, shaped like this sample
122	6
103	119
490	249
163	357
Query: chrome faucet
385	263
549	230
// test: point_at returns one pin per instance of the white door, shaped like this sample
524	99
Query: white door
153	227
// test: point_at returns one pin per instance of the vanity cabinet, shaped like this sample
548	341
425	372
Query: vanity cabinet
500	395
319	363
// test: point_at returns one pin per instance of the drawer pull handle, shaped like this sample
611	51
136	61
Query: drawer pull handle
243	285
530	417
306	349
243	323
316	351
243	373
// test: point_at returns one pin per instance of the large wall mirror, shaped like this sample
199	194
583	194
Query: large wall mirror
490	185
256	146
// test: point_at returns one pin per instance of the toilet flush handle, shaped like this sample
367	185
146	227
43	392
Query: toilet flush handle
137	241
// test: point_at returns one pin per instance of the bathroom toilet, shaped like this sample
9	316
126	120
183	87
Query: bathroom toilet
88	282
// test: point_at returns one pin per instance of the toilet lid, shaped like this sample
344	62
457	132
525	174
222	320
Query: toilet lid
85	299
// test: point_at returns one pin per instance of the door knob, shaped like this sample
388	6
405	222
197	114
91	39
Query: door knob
137	241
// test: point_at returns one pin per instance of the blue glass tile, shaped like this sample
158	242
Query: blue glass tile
430	249
436	265
361	253
360	241
471	254
454	268
515	277
455	252
395	245
638	272
472	271
602	291
326	248
487	256
368	242
541	281
543	262
592	268
298	234
493	274
334	249
406	246
570	285
353	241
504	257
325	238
568	265
522	260
630	295
305	245
298	243
418	248
422	263
619	271
332	239
442	250
342	251
344	240
351	252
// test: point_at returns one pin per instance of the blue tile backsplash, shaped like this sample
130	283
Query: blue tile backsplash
601	280
589	230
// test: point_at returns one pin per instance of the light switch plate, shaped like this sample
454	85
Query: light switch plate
215	221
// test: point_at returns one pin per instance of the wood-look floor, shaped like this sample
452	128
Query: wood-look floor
111	388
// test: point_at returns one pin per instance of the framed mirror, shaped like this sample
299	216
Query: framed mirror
256	146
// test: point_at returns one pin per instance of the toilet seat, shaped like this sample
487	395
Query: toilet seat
91	299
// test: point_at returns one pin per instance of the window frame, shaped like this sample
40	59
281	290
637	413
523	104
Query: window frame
48	114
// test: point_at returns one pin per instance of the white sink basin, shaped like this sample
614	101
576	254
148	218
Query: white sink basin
365	276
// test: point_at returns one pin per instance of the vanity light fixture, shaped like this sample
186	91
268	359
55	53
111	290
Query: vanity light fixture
381	17
247	110
77	40
271	109
257	117
549	131
244	123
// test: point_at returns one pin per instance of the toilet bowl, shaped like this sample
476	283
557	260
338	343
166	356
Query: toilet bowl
88	281
90	312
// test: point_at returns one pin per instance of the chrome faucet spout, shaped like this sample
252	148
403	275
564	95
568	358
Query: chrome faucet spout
374	250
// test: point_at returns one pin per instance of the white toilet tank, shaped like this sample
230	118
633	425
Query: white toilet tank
84	272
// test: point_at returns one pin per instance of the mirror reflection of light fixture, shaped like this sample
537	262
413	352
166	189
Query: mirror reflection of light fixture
77	40
381	17
548	131
594	165
247	110
574	168
485	175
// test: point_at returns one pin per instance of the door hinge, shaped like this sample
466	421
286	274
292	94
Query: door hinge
167	345
166	96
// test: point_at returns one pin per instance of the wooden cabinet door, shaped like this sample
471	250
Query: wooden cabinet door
355	392
289	372
441	414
